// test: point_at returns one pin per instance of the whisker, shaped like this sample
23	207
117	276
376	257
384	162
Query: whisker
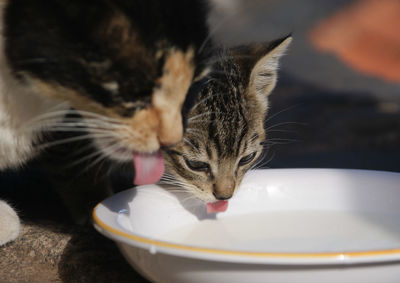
185	140
105	153
280	112
191	130
260	159
263	164
282	131
77	130
285	123
68	140
173	181
73	126
282	140
50	116
85	158
198	116
85	121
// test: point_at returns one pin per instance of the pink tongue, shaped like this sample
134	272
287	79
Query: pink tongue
218	206
149	168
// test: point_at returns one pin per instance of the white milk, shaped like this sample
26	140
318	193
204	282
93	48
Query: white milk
294	231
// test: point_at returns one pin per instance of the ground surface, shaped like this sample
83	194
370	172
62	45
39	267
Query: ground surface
328	110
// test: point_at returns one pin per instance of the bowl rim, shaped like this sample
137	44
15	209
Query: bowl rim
116	232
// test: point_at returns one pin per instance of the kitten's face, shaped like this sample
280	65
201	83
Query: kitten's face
225	130
129	62
223	140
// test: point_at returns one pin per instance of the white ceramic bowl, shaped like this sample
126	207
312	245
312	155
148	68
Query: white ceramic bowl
283	225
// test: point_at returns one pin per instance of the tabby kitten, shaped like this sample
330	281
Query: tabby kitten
225	130
124	65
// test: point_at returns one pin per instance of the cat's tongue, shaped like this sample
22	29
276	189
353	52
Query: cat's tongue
149	168
218	206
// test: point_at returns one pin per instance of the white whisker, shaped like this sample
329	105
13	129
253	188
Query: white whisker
105	153
185	140
199	115
284	123
264	163
92	155
280	112
68	140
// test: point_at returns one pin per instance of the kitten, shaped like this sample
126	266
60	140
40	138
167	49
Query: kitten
225	130
124	65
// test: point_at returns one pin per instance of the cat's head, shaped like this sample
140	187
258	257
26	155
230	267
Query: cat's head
129	61
225	131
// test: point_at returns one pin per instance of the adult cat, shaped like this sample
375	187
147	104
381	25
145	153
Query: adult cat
125	65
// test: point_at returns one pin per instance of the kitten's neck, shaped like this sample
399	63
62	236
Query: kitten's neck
19	104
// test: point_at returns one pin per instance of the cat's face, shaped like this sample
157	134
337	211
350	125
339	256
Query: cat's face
130	62
225	131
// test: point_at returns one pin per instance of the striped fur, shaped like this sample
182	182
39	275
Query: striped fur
225	133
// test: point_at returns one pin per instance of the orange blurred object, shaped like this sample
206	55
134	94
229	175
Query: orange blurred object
366	35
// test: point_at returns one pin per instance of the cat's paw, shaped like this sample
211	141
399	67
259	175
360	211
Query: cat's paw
9	223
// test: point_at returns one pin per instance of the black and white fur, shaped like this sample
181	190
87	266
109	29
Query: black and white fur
130	62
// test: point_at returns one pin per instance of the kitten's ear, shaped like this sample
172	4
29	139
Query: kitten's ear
264	73
260	62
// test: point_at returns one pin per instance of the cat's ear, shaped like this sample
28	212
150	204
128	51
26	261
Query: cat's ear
263	76
259	62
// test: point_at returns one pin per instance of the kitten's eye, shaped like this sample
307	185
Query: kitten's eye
247	159
197	165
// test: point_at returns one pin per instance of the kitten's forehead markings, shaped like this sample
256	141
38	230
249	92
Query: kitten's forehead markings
209	153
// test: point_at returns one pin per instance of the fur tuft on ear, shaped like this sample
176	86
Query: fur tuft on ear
258	64
263	76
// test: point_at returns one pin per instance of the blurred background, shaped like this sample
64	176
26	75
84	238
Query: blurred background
336	104
337	101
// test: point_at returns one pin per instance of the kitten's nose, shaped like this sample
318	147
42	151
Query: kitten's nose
224	189
221	197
